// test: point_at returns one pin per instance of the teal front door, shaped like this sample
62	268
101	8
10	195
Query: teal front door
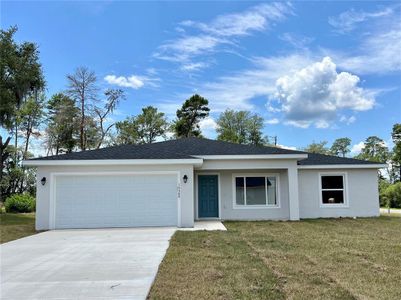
208	196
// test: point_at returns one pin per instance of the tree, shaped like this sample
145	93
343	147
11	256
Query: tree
191	113
391	195
142	129
396	136
113	96
240	127
92	133
151	124
21	78
21	75
4	155
83	89
255	126
63	124
319	147
16	179
374	150
341	146
127	132
30	116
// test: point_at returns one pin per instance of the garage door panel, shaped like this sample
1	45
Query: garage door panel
116	201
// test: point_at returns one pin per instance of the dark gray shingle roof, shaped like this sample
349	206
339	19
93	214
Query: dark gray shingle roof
187	148
321	159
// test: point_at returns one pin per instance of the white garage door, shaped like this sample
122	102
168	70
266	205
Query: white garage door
94	201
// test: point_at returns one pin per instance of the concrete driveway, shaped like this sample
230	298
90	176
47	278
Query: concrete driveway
83	264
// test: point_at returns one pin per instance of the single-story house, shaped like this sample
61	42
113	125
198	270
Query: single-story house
176	182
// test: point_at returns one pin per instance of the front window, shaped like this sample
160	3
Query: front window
332	189
255	190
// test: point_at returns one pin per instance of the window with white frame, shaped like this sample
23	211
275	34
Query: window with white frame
332	189
255	190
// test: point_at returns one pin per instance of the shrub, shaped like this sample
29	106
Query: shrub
20	203
392	195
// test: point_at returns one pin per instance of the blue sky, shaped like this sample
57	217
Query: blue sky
313	70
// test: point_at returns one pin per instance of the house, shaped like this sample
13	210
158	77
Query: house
174	183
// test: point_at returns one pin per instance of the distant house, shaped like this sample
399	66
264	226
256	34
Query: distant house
174	183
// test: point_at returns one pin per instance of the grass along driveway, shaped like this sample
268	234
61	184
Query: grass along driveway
16	226
312	259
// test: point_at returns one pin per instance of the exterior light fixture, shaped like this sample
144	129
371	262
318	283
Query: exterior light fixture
185	178
43	181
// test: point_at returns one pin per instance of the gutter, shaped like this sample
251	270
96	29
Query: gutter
250	156
344	166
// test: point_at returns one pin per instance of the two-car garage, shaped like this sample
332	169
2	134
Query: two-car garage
114	200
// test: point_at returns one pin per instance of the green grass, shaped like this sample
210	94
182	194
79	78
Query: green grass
16	226
311	259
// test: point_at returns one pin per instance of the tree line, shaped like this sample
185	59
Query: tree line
79	118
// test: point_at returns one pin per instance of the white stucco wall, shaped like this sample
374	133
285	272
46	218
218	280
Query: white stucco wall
361	190
43	195
228	212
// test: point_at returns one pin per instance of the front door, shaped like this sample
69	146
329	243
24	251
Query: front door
208	196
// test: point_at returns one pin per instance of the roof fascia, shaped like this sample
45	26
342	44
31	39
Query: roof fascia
108	162
344	166
252	156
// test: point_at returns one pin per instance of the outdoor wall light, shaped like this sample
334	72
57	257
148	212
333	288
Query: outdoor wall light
185	178
43	181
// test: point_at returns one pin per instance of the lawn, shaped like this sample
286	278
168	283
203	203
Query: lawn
314	259
16	226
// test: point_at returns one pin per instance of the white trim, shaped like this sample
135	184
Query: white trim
197	194
344	189
54	175
267	206
344	166
250	156
106	162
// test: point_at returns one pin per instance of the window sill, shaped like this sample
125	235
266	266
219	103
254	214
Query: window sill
334	205
256	207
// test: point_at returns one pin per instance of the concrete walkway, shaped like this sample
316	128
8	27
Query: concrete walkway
208	225
83	264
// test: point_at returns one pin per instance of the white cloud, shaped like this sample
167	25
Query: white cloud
272	121
182	49
287	147
220	31
299	124
357	148
347	120
133	81
379	49
208	123
314	94
379	53
348	20
208	127
296	40
237	89
322	124
256	18
194	66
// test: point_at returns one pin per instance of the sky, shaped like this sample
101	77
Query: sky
313	70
